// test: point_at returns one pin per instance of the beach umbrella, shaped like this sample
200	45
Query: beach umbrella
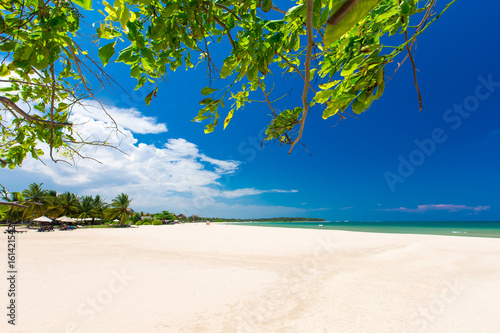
43	219
65	219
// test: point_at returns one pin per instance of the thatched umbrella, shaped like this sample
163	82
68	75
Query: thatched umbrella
43	219
65	219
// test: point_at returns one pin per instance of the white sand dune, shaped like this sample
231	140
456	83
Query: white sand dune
224	278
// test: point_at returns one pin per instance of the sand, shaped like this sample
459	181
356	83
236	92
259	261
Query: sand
225	278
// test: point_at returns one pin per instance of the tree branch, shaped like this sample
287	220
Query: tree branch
295	68
225	8
267	99
227	31
307	64
278	10
33	84
408	49
11	105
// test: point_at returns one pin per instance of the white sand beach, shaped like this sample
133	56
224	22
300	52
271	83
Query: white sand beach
225	278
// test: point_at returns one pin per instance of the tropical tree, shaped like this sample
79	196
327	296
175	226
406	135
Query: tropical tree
36	200
119	208
166	215
92	207
65	204
333	46
15	212
85	207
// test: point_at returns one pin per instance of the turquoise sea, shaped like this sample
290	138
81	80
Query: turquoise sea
450	228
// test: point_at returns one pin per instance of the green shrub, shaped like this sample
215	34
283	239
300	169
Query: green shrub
146	220
107	223
138	223
146	223
157	222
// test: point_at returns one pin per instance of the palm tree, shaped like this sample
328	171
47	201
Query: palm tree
98	208
65	204
119	208
85	207
91	207
35	199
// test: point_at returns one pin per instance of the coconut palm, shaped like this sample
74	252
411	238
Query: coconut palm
91	207
65	204
119	208
98	208
85	207
35	199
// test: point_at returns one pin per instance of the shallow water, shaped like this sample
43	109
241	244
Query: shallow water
450	228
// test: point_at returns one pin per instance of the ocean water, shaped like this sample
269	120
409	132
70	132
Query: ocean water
449	228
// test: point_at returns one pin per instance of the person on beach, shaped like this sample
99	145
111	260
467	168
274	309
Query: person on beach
208	224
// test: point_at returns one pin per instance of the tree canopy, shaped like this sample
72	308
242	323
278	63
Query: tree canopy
339	49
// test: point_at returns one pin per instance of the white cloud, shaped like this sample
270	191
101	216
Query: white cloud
249	191
129	119
176	176
444	207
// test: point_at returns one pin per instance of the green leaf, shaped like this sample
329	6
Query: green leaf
228	118
148	60
149	97
85	4
266	5
333	33
328	85
106	52
296	12
380	84
323	96
206	101
252	72
352	65
7	47
360	104
125	17
4	70
207	91
209	128
229	65
330	111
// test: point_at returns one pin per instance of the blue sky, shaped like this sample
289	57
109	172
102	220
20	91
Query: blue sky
391	163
